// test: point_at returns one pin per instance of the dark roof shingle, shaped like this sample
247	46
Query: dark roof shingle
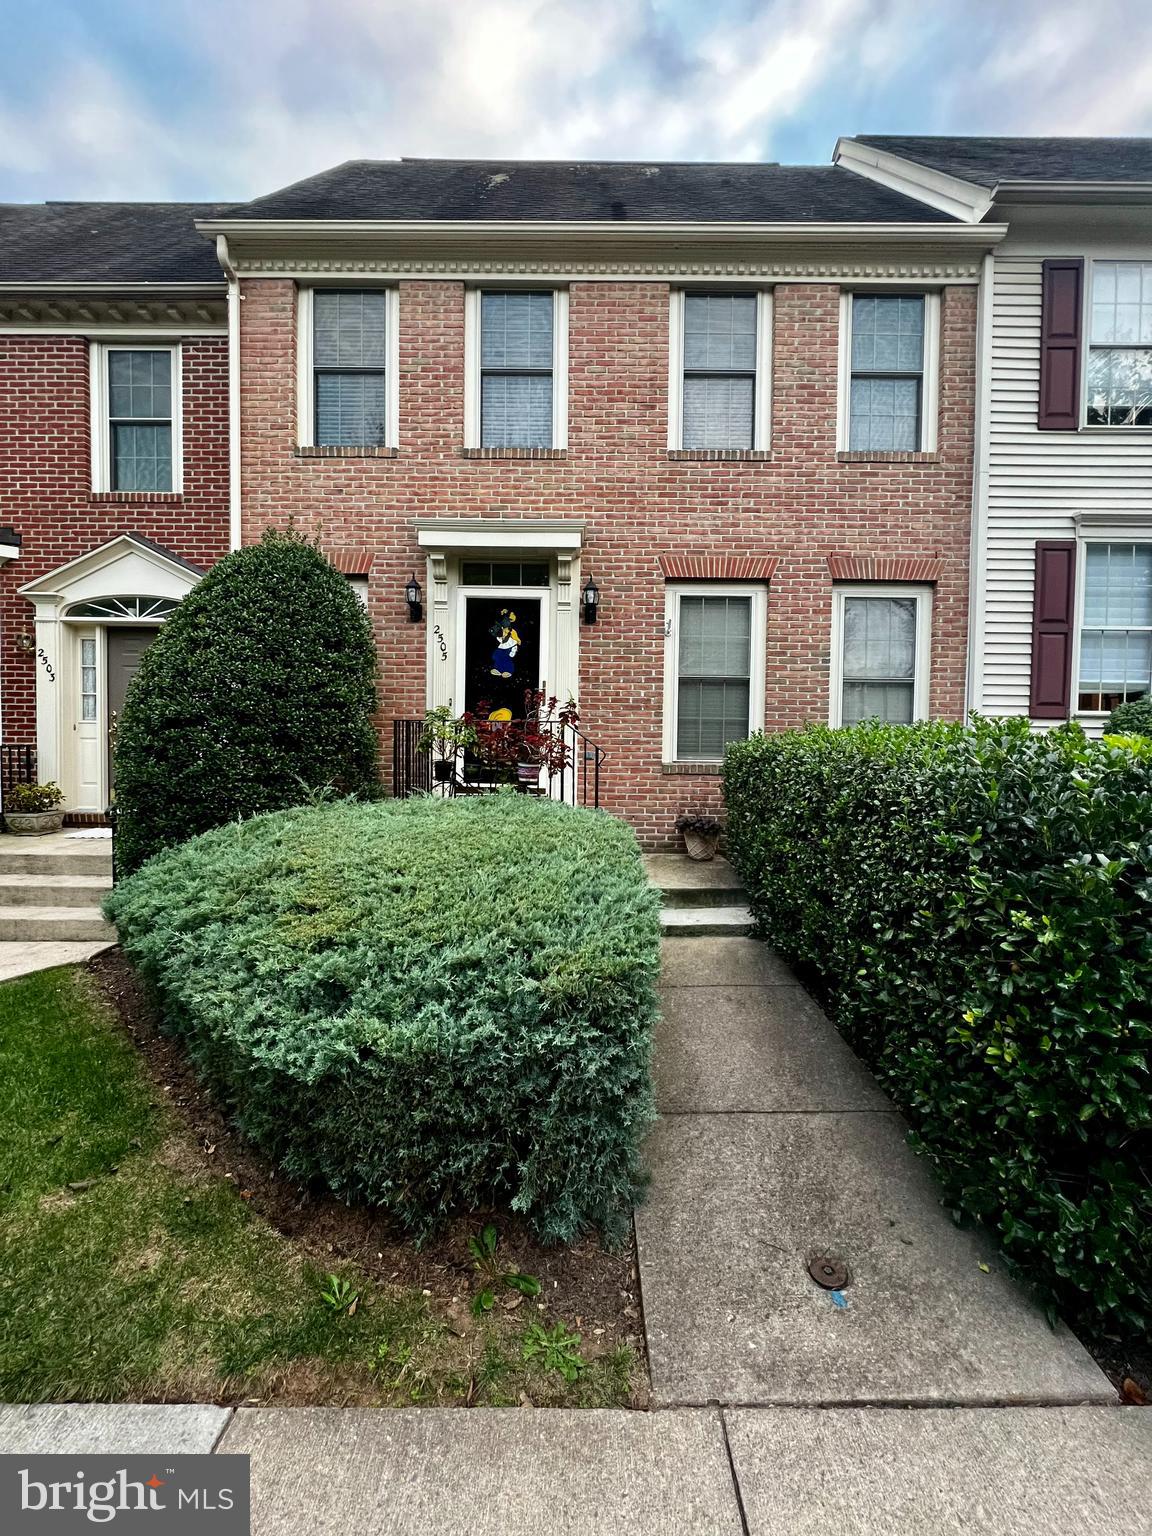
987	162
106	243
610	191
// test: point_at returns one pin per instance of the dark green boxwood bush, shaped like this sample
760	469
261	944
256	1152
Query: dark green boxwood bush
427	1005
256	692
1131	719
976	907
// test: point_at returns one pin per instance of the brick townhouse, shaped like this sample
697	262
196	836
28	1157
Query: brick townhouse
734	403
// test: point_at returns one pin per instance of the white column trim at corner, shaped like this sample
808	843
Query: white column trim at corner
235	520
981	447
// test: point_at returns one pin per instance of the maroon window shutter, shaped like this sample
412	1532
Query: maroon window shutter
1052	620
1061	313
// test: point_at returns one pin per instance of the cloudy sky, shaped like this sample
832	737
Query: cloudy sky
223	99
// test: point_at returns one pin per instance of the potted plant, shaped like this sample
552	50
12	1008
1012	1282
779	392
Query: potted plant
30	810
545	740
701	833
447	736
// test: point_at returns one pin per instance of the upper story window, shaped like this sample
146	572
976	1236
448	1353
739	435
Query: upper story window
714	669
880	652
1120	345
1116	625
517	342
348	357
719	393
888	394
136	418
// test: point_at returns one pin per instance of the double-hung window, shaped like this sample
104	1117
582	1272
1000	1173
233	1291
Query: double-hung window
714	679
880	654
719	390
1116	625
888	392
350	339
136	436
1120	345
518	398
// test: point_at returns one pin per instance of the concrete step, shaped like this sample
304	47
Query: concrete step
23	856
37	890
685	882
730	922
69	925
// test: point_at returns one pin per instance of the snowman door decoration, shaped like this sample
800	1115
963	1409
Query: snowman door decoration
507	644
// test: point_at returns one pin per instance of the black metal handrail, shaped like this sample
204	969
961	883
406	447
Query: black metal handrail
17	766
569	771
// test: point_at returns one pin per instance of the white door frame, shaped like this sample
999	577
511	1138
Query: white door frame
125	566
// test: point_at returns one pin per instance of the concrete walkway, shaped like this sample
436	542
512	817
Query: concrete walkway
679	1472
776	1146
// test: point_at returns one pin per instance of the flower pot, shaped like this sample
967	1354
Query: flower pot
528	773
33	823
701	845
443	769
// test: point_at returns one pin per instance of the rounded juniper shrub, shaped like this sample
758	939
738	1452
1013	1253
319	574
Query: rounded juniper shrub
427	1005
257	693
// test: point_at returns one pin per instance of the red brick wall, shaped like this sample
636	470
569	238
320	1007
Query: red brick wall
801	504
46	484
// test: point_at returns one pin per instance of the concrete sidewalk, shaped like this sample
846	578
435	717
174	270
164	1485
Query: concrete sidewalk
775	1145
687	1472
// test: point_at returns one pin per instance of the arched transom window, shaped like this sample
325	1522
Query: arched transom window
155	608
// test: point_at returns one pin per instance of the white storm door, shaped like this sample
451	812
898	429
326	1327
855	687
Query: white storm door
86	792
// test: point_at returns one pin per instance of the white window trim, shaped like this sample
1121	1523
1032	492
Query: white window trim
1121	535
1086	333
930	386
472	360
759	616
101	433
306	378
762	388
922	676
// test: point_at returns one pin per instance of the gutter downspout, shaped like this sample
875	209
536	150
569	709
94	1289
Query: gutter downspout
978	560
234	503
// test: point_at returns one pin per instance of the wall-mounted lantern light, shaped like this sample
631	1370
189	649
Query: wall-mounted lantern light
26	640
412	598
590	601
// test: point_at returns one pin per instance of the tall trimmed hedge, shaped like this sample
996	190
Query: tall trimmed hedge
976	907
258	691
426	1005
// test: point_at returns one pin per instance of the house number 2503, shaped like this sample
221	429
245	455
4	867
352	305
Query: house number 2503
46	664
441	642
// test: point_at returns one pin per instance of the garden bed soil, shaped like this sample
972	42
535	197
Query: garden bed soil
593	1290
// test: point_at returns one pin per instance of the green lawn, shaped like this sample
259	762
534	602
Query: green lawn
127	1272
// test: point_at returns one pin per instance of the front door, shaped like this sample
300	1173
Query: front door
126	645
502	654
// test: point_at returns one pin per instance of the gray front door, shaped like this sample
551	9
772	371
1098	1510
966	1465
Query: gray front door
126	646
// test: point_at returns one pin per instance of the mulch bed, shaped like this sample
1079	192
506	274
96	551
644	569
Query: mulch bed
591	1289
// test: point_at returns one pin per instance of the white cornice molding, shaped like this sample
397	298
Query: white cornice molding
935	267
948	194
93	314
439	534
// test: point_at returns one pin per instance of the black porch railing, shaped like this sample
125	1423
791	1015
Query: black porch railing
17	766
570	772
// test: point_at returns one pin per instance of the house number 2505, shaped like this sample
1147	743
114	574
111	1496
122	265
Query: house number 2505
441	642
46	664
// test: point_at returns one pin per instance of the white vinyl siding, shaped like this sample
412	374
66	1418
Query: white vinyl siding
1041	485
